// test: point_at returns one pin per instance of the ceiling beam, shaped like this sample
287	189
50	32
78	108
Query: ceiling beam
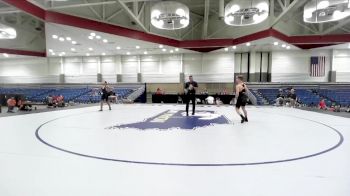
103	11
345	29
94	11
135	8
132	15
305	26
295	4
22	52
218	31
81	5
286	3
337	26
281	4
9	10
192	29
114	14
142	10
206	19
27	7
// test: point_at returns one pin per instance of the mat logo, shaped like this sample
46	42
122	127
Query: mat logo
177	119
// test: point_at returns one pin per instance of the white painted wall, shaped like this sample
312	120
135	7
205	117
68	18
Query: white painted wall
293	66
210	67
341	64
287	66
26	70
160	68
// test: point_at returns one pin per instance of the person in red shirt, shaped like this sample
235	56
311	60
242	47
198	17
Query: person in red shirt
11	103
322	105
159	91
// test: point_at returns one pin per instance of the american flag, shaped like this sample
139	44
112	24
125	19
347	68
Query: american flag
318	66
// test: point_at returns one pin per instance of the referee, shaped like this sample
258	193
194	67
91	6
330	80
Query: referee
190	94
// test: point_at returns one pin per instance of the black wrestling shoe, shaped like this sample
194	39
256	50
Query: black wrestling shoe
243	119
246	119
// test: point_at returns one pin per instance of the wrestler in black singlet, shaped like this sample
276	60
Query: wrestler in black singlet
242	98
105	94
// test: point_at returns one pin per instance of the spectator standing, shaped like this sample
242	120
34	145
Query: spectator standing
322	105
280	98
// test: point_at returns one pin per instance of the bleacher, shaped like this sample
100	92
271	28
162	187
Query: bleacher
305	96
28	93
339	96
269	94
93	95
71	94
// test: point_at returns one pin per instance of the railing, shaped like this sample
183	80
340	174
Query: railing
252	98
136	94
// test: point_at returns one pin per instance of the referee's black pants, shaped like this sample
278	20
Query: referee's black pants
191	97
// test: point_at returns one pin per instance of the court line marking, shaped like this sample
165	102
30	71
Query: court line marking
339	143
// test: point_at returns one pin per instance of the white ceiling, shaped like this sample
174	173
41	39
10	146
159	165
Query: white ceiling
338	47
81	36
262	45
14	56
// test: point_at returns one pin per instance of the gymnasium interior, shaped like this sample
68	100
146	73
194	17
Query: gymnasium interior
95	97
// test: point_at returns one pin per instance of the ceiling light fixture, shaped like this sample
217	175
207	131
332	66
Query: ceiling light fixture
54	36
103	54
320	11
98	37
127	53
137	47
118	47
91	49
68	38
105	40
160	46
176	49
90	37
323	4
246	12
170	15
283	45
234	47
5	55
145	52
74	42
72	49
288	47
87	54
275	43
61	39
171	51
248	44
7	32
164	50
93	34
